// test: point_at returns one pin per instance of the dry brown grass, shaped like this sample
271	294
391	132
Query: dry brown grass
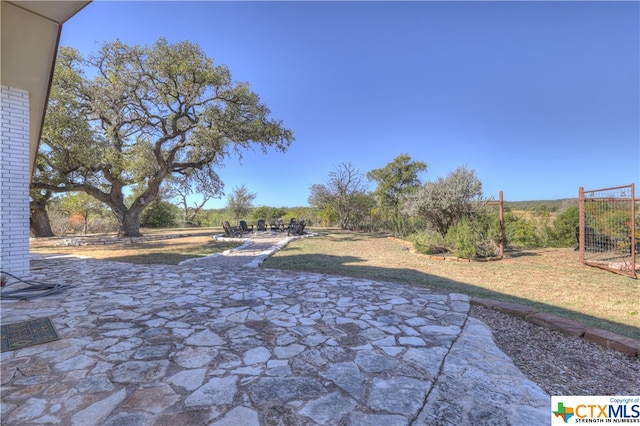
551	280
168	252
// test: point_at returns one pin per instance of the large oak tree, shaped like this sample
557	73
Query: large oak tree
130	116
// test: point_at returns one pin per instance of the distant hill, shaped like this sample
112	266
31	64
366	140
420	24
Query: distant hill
551	205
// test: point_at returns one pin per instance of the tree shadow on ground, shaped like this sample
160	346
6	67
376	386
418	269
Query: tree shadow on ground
514	253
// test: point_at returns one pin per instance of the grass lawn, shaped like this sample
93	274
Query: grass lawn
551	280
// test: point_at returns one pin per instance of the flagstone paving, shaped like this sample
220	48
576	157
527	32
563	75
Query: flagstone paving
221	342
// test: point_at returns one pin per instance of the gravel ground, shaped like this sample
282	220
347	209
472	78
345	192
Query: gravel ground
561	364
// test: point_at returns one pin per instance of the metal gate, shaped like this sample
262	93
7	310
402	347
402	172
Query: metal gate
607	233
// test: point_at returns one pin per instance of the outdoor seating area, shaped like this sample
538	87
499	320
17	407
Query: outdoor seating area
292	228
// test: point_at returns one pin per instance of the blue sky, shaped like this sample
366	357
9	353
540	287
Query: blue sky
539	98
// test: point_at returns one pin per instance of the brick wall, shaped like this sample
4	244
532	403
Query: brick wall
14	181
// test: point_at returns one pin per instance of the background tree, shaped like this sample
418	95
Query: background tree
361	215
448	200
240	202
185	185
563	231
269	214
341	193
396	182
81	205
521	232
148	113
160	214
214	217
327	215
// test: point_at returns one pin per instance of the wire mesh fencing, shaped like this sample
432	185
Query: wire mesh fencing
608	233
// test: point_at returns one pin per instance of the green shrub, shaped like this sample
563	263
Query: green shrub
563	232
477	236
428	242
469	237
463	238
521	232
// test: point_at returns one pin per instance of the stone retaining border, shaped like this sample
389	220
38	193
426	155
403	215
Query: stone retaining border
96	241
569	327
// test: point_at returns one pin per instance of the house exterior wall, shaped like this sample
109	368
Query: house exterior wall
14	181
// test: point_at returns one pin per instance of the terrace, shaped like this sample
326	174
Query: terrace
225	343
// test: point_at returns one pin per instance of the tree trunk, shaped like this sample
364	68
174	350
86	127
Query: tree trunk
395	219
191	219
128	219
85	228
130	224
39	222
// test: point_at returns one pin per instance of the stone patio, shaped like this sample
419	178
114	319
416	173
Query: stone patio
222	342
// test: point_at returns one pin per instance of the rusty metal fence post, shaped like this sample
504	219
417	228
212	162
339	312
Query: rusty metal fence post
634	240
581	223
503	237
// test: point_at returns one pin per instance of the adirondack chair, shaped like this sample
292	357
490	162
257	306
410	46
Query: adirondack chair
262	226
231	231
292	224
277	225
245	227
298	228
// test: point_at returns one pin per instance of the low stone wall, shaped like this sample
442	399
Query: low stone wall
90	241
